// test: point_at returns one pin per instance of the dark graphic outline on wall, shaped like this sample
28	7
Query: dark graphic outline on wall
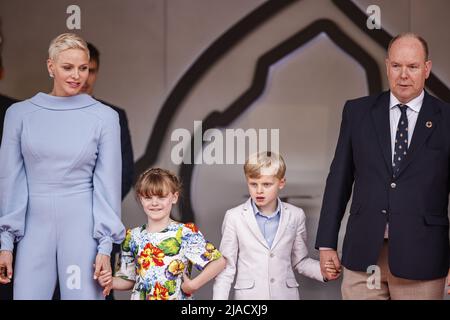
231	38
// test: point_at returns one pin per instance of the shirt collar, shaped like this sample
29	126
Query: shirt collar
415	104
48	101
272	215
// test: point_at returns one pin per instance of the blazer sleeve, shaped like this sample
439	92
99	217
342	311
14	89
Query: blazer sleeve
302	263
108	227
127	154
13	183
338	187
229	250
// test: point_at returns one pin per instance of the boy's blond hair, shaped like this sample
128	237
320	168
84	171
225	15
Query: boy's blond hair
265	163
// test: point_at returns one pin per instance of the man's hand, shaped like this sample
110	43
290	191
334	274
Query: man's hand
328	257
331	272
6	269
102	263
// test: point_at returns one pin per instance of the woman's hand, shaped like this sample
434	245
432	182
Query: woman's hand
6	269
102	263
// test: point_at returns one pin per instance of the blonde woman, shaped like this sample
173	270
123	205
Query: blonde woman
60	172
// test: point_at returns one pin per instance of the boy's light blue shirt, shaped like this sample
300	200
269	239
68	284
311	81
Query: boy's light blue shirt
268	224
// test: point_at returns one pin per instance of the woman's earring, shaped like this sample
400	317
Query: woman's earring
51	75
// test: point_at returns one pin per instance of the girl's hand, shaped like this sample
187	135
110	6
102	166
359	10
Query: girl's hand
105	278
106	281
188	285
107	289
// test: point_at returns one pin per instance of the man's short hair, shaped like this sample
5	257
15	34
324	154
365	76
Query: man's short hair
265	163
412	35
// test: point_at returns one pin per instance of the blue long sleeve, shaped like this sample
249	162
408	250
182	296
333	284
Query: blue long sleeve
13	181
108	227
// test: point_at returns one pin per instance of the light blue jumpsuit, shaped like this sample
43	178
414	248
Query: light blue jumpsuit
60	181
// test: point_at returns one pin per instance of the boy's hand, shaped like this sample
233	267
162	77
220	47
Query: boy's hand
106	281
331	272
188	285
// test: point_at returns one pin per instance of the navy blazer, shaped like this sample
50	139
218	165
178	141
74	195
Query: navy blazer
5	102
127	149
414	203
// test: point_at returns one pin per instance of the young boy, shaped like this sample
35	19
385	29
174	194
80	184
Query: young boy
264	239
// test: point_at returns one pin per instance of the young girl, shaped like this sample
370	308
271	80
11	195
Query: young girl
157	258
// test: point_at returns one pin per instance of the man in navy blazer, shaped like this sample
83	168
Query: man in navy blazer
394	150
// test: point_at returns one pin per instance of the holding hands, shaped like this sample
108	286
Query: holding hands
103	267
330	266
106	281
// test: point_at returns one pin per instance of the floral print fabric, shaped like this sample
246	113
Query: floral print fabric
155	261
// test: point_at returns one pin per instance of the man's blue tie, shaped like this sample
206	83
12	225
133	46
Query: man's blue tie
401	140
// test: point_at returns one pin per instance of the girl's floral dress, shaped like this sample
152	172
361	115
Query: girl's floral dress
155	261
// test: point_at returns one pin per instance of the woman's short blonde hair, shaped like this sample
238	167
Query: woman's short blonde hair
156	182
64	42
265	163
